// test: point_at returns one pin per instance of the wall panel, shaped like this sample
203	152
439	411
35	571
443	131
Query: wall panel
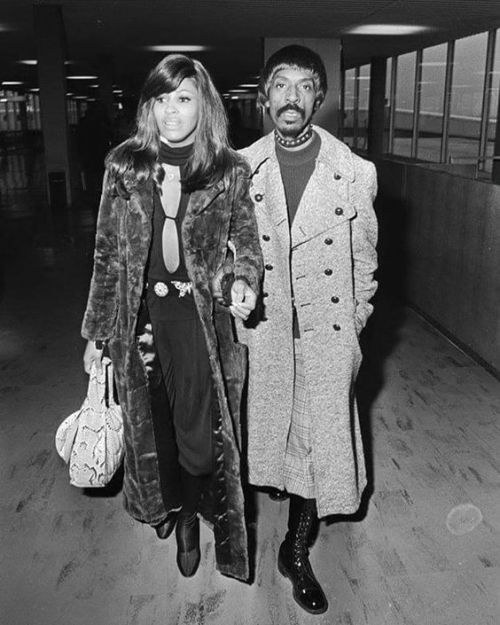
442	232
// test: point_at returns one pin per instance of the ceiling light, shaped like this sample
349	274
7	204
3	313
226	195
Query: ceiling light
28	62
35	89
12	83
80	97
69	94
249	85
386	29
93	86
120	91
177	48
238	90
83	77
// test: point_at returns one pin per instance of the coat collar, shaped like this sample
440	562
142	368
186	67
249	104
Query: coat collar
336	155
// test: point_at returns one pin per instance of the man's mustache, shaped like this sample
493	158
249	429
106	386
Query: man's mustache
292	107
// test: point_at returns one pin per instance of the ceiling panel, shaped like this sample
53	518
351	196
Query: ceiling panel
118	29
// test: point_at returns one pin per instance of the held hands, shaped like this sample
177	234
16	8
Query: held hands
243	299
91	355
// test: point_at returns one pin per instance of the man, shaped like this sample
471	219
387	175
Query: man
313	200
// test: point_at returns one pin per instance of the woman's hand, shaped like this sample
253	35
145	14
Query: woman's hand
92	355
243	299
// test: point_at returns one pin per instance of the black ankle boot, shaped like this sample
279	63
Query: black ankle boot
293	558
187	533
166	527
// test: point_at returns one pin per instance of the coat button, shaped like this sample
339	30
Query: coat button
328	272
339	211
336	327
266	237
337	176
269	267
328	241
265	294
335	299
259	197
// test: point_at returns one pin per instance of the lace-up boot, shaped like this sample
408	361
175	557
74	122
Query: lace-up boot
293	558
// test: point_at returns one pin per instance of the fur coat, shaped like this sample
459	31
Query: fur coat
113	314
327	259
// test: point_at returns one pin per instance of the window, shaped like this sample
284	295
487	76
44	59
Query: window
467	98
493	106
387	105
405	87
363	106
350	106
430	124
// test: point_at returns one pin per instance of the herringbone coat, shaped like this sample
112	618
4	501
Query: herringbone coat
123	240
331	269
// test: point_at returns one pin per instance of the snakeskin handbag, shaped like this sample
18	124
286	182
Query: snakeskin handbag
90	440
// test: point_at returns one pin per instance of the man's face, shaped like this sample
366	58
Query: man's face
291	100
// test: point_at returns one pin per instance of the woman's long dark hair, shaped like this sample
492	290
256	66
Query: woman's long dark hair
135	160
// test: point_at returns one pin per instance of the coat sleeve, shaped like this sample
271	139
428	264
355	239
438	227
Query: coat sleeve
243	232
102	304
364	241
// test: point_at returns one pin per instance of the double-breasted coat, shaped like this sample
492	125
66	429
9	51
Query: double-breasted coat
326	262
123	239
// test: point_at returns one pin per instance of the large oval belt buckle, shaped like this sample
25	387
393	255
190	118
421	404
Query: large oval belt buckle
161	289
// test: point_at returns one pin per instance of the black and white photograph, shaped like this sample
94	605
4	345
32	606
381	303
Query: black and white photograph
249	312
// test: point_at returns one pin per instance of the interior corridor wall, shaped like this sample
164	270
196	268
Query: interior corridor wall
440	249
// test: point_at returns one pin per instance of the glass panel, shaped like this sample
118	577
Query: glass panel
363	107
387	104
3	111
467	98
431	103
349	106
493	95
405	88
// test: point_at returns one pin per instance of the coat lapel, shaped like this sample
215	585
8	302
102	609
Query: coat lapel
325	202
267	182
200	200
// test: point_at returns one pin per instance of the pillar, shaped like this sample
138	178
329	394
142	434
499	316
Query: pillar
50	39
377	108
330	51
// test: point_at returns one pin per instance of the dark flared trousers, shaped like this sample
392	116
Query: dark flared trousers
182	352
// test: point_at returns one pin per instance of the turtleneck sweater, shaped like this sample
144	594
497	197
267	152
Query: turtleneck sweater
296	168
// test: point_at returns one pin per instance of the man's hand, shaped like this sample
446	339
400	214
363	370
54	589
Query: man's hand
243	299
92	354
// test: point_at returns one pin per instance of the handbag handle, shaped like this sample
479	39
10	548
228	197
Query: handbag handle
110	396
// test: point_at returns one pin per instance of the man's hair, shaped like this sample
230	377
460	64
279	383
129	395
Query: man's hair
297	57
212	158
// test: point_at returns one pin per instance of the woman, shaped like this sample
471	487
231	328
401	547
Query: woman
175	196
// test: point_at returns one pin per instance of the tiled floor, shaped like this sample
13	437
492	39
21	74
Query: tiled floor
425	550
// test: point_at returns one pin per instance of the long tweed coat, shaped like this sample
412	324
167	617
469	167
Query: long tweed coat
333	239
123	240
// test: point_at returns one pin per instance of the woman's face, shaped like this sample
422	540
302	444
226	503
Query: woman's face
177	114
